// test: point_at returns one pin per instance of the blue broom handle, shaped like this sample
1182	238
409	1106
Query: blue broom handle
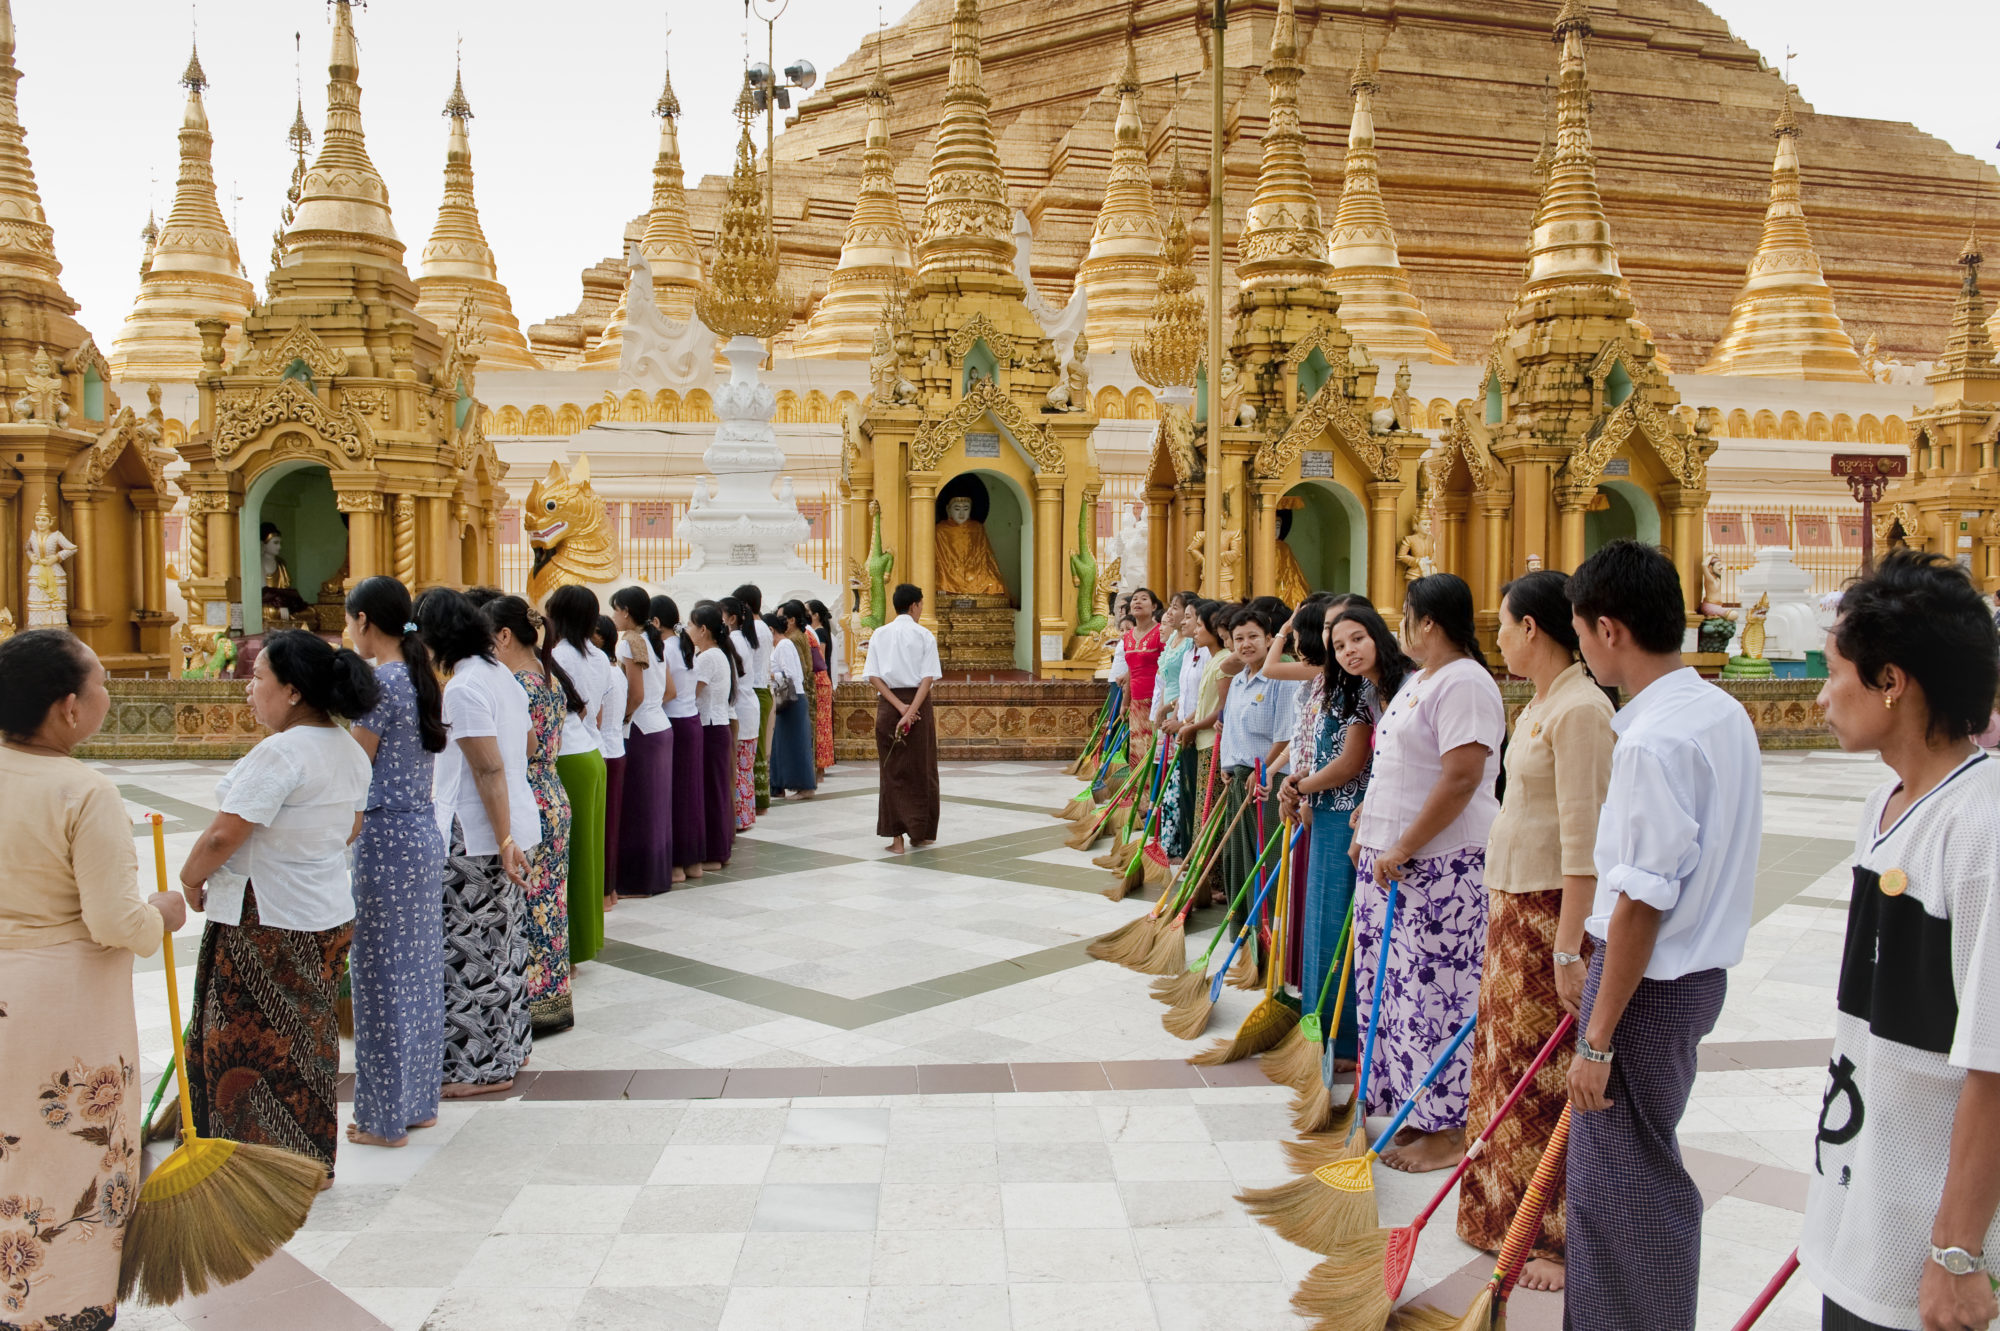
1110	753
1250	920
1375	1004
1396	1123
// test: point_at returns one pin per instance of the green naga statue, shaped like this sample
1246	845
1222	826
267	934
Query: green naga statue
877	568
1083	572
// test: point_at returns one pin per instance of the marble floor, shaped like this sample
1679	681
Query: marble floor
833	1088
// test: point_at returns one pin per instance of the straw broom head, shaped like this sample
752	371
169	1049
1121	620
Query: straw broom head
1125	943
1294	1062
1087	834
1119	889
1317	1150
1115	858
1169	954
1243	973
1174	990
1319	1110
1154	869
1080	807
1345	1292
1483	1315
1263	1028
1308	1213
1186	1021
210	1214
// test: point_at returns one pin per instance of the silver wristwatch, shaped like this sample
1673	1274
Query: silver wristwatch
1958	1261
1568	958
1588	1054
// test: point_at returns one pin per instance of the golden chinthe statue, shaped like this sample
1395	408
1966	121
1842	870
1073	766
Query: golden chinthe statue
965	562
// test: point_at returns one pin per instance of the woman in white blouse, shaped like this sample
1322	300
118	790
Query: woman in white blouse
792	769
718	679
749	712
491	821
272	872
684	717
571	613
646	823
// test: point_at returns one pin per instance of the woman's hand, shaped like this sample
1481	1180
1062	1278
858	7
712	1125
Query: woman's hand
173	908
1288	799
1391	865
194	894
514	862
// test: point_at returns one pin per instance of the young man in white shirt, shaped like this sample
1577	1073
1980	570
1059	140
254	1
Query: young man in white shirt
1676	856
903	667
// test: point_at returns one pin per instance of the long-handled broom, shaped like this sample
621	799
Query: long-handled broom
1132	871
1156	943
1489	1307
1189	1019
1092	829
1137	812
1313	1110
1182	986
1272	1018
1770	1293
1295	1062
1084	803
1330	1129
1100	728
1245	973
1357	1286
214	1208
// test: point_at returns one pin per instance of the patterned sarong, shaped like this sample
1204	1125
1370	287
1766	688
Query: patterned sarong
487	1028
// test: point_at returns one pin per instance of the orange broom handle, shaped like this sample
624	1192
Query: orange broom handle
1527	1223
173	983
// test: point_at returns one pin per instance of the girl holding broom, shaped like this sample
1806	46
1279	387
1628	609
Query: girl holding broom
1540	882
71	919
272	872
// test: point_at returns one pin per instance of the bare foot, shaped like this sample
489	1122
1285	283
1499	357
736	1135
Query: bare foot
326	1183
610	902
923	845
465	1090
360	1138
692	875
1345	1064
1404	1136
430	1122
1430	1151
1541	1273
680	876
896	846
717	865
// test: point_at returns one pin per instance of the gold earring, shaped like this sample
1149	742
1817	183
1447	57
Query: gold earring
1889	702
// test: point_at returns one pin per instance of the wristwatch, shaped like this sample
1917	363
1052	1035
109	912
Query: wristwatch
1568	958
1958	1261
1588	1054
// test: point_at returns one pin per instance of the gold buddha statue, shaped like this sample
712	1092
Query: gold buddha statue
965	562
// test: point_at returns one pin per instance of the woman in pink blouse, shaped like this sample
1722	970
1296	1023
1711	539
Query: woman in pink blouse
1143	643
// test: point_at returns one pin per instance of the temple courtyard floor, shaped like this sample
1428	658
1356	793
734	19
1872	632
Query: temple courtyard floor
835	1089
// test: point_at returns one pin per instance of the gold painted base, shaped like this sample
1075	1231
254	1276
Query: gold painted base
975	632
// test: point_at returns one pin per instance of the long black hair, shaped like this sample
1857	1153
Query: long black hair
708	614
824	628
634	602
1309	631
1543	596
38	669
666	613
604	635
385	604
1445	600
1392	664
572	614
521	619
452	627
329	679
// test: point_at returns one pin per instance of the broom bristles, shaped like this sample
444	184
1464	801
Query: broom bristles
1120	888
1318	1111
1294	1063
1080	807
1154	871
1346	1291
1483	1315
1245	973
1125	942
1188	1020
1316	1150
1169	954
1174	990
1311	1214
1115	858
1086	836
1263	1028
184	1237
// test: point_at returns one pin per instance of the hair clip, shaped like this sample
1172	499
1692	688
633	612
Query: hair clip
410	626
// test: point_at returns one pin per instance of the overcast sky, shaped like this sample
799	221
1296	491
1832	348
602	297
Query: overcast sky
563	139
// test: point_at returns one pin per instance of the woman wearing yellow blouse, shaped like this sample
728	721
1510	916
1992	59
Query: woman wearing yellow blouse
1540	881
71	917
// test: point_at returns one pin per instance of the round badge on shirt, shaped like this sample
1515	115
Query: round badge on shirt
1895	882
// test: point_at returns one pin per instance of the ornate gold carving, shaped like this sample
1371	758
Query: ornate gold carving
983	398
359	501
741	297
980	328
301	344
1329	412
288	400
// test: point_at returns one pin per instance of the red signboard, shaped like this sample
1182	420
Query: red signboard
1888	465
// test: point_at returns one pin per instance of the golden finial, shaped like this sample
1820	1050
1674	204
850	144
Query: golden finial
193	79
1787	123
1169	351
455	105
1364	70
741	297
1575	15
669	106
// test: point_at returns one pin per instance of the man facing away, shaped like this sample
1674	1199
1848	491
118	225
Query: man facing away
903	665
1676	859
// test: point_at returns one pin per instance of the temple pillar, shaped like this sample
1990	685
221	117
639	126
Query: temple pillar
152	556
1050	538
1682	529
920	528
855	542
1452	550
1572	509
406	541
12	545
84	570
1385	585
1264	537
1531	517
1158	571
1192	525
1494	510
364	516
436	548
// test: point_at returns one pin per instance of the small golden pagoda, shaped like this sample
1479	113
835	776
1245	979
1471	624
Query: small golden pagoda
70	454
458	264
347	427
973	402
1121	271
1376	303
1576	438
1951	500
1167	356
192	269
1783	323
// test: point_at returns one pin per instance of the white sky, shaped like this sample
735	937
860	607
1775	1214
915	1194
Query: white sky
564	139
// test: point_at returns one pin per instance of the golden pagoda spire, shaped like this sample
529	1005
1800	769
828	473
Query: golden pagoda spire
1121	272
1571	246
299	138
193	270
1376	303
741	297
1284	243
1783	323
458	263
1167	354
343	214
875	252
149	235
27	243
1969	347
967	227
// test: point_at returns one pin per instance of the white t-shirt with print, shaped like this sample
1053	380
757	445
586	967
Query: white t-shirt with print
301	788
1918	1007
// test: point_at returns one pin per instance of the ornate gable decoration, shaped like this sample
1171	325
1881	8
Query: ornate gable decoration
1175	433
980	328
1681	456
1461	440
461	350
1329	412
125	431
239	422
934	438
87	357
301	344
1324	338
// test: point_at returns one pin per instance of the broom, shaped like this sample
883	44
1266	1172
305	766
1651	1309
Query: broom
1090	830
1123	844
1134	872
1361	1279
1771	1291
1131	944
1189	1019
1085	802
1100	726
1296	1061
1489	1307
1169	917
1272	1018
1244	974
214	1208
1183	987
1313	1111
1328	1137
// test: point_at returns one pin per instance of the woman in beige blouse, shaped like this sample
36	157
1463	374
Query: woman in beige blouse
71	917
1540	879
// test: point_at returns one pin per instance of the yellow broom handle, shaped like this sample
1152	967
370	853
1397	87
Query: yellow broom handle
1280	914
173	982
1346	974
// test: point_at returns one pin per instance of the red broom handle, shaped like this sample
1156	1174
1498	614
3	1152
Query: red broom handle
1527	1223
1520	1089
1208	785
1749	1318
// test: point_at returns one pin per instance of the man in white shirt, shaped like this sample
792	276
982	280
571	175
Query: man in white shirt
1676	861
903	666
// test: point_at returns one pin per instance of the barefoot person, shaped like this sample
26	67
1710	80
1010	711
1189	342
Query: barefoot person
903	667
1676	858
1900	1226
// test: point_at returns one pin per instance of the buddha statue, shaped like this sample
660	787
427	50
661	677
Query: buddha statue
965	562
279	594
1293	588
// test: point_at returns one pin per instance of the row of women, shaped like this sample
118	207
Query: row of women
1384	747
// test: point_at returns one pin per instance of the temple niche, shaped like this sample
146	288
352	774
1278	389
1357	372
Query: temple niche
978	550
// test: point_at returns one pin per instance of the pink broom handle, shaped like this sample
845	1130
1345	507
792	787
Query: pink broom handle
1756	1310
1520	1089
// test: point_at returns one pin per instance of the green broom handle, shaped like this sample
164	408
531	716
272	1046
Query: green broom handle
1153	809
1249	922
1345	938
1242	893
1201	857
